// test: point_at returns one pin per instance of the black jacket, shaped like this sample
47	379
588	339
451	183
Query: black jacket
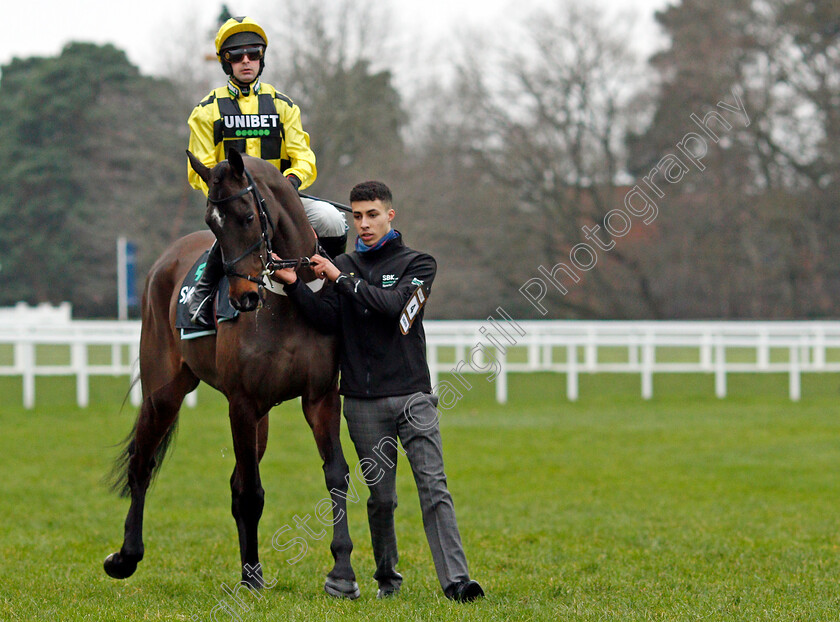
364	307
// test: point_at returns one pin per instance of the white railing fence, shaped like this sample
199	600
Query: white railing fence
58	346
635	347
39	350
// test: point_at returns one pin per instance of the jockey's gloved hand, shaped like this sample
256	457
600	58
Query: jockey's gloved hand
294	181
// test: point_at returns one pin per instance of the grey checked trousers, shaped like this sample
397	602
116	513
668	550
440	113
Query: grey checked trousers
375	425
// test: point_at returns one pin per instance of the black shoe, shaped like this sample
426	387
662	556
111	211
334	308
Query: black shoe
200	302
464	591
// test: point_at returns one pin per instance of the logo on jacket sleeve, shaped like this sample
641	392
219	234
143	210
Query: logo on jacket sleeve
389	280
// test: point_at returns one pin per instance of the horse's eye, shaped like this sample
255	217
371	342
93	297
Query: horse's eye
249	219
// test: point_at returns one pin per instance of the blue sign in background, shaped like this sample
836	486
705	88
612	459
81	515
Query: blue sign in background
130	274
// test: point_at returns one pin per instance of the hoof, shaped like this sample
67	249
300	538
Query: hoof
342	588
252	576
117	567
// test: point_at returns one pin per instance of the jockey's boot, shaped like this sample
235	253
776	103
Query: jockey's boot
333	246
200	302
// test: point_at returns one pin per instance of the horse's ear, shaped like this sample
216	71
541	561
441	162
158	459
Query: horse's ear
201	170
235	161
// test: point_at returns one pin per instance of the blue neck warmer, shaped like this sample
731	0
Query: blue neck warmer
361	247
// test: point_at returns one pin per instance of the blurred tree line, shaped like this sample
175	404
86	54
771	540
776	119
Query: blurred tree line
89	150
547	151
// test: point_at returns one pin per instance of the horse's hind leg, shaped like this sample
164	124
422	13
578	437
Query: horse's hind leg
324	416
152	433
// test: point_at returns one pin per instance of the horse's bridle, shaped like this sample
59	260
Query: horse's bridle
269	264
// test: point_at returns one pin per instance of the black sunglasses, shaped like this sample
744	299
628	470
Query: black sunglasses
236	55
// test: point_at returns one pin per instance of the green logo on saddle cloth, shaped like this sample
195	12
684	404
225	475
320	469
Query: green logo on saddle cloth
200	270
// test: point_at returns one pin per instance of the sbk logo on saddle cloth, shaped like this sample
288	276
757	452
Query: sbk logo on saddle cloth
245	125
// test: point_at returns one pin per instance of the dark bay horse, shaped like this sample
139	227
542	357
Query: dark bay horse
269	354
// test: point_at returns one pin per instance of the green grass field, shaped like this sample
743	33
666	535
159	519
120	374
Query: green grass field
682	508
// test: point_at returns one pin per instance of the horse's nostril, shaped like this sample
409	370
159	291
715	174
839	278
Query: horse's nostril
250	301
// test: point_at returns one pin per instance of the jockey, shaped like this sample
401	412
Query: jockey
259	121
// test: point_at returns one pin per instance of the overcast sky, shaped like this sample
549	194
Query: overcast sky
138	26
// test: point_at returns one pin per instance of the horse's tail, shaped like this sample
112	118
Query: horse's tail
118	478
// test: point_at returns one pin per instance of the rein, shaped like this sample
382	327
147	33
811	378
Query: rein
269	264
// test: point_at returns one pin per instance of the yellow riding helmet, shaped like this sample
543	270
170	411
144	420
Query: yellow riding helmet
234	26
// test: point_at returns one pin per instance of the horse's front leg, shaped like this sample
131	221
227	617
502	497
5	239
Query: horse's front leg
247	494
324	416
